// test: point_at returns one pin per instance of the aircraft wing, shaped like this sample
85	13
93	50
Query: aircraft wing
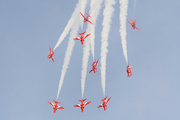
51	103
87	103
100	105
87	35
76	39
52	59
82	15
137	28
60	107
97	61
108	99
89	21
90	71
77	105
129	22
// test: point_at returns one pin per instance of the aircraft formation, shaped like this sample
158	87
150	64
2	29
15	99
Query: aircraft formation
133	24
94	68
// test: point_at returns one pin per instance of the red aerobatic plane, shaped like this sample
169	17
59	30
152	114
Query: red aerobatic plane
82	105
55	106
51	53
82	37
94	68
104	103
86	18
129	70
133	24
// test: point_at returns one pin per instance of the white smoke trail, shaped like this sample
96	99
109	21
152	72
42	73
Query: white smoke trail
68	53
88	40
122	30
71	42
94	12
107	13
81	4
84	63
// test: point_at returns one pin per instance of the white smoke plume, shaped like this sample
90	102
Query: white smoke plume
107	15
94	12
122	30
85	63
90	29
82	10
68	54
81	4
71	42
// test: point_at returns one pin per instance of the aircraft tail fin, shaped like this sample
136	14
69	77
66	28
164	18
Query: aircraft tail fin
50	49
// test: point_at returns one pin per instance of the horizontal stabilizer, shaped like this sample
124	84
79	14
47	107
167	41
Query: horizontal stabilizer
88	15
81	33
83	100
56	102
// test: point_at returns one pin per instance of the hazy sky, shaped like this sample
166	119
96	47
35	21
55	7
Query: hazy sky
28	79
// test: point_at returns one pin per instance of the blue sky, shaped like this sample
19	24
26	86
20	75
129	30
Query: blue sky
28	79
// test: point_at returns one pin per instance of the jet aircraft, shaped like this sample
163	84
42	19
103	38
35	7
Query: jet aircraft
51	53
86	18
82	37
82	105
133	24
94	68
129	71
104	104
55	106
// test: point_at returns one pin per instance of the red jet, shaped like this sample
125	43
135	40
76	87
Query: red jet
129	71
55	106
104	103
51	53
133	24
82	105
86	18
94	68
82	37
